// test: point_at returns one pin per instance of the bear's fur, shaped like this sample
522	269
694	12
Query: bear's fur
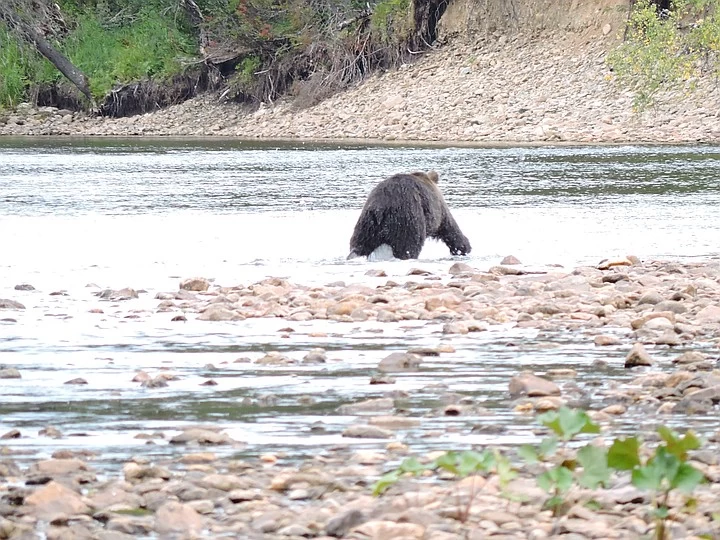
402	211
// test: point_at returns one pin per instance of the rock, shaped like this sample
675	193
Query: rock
606	264
394	422
224	482
381	530
243	495
10	304
367	432
9	373
53	499
24	287
668	337
690	357
712	394
51	432
708	314
638	356
201	436
457	327
460	268
604	340
398	361
117	295
77	380
12	434
650	297
116	497
155	382
316	356
59	467
197	284
528	384
135	471
505	271
176	517
339	525
369	405
510	260
670	305
218	312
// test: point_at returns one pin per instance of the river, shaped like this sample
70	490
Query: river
80	215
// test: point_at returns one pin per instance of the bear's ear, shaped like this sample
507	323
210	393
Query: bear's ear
434	176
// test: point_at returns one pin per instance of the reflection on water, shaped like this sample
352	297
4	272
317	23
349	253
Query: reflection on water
144	214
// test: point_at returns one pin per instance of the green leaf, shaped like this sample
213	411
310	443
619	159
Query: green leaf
385	481
687	478
666	463
554	502
661	512
547	447
412	465
676	445
528	453
503	468
551	420
624	454
447	462
566	422
564	479
470	462
594	461
545	481
648	477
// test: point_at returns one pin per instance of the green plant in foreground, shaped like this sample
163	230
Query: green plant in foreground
665	470
460	464
566	424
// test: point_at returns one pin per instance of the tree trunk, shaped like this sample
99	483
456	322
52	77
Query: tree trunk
426	15
43	46
197	20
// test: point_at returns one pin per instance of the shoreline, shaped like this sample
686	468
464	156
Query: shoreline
359	142
456	95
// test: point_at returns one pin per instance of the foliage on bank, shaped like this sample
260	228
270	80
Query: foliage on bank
256	49
668	49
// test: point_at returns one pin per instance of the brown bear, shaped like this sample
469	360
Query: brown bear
402	211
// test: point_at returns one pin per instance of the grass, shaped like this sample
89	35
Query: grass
151	46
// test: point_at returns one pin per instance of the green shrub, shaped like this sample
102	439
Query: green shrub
667	52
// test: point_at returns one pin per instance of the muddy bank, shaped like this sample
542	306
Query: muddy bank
657	320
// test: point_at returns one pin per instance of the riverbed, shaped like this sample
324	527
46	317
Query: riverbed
82	216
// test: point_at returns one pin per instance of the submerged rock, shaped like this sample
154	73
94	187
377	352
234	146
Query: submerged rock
638	356
529	384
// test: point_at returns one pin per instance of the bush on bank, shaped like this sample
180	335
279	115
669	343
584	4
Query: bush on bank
667	49
259	50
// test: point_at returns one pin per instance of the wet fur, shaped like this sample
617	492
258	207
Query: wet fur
402	211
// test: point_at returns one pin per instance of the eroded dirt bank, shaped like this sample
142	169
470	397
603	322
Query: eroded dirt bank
540	82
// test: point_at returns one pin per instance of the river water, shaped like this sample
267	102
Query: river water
147	213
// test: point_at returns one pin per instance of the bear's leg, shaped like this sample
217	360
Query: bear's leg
365	238
451	235
405	233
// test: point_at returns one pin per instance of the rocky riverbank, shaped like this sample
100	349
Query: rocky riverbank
509	89
662	317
